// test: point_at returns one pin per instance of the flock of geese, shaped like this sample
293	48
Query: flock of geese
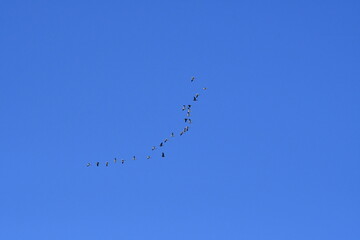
186	108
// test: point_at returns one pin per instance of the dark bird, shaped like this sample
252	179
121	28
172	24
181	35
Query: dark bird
115	160
148	157
189	120
107	163
181	133
189	106
192	79
184	107
204	88
188	114
97	164
166	140
161	144
153	148
185	119
134	158
195	99
162	154
197	95
88	165
189	110
172	134
122	161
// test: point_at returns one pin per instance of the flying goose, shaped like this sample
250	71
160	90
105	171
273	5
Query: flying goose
134	158
192	79
97	164
107	163
88	165
162	154
148	157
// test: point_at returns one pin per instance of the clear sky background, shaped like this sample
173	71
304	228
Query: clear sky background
273	151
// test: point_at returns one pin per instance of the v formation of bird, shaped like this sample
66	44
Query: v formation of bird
187	119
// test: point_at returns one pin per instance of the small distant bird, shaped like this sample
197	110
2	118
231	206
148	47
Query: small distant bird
189	120
153	148
181	133
97	164
148	157
88	165
166	140
183	108
204	88
107	163
192	79
172	134
197	95
134	158
188	114
195	99
189	110
122	161
187	128
161	144
189	106
162	154
115	160
185	119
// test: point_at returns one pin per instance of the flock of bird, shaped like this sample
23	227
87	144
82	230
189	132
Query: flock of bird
187	120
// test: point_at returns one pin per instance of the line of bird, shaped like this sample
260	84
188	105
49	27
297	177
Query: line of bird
187	119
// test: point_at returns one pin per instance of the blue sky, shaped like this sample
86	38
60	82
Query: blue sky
273	151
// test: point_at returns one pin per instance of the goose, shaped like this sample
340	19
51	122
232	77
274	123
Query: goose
115	160
172	134
107	164
153	148
161	144
166	140
134	158
192	79
122	161
88	165
148	157
162	154
97	164
183	108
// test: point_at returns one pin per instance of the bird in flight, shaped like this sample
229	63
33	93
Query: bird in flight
187	119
